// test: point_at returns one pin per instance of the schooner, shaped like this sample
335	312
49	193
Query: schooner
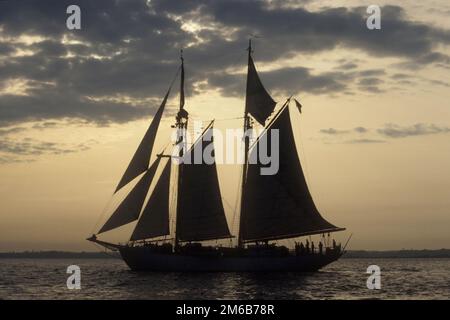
272	207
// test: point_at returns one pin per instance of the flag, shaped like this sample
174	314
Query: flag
298	104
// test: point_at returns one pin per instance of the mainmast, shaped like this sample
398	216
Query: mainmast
181	125
247	126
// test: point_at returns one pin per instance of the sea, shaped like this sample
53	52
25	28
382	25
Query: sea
112	279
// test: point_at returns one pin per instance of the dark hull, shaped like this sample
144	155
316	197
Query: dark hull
145	259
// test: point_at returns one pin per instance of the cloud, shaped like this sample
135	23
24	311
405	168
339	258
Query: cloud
6	159
400	76
369	81
388	131
362	141
361	130
285	81
440	83
347	66
28	149
118	66
333	131
30	146
419	129
12	130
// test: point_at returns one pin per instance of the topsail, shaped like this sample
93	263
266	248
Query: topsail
258	102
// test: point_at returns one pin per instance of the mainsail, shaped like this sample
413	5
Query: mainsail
154	221
279	206
130	208
200	212
141	159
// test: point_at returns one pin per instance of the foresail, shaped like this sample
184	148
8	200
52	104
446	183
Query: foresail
200	211
279	206
154	221
141	159
258	102
130	208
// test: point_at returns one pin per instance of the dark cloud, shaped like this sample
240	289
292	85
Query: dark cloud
333	131
371	89
390	131
369	81
440	83
29	149
7	159
419	129
400	76
12	130
286	81
361	129
371	73
348	66
362	141
53	104
370	84
130	49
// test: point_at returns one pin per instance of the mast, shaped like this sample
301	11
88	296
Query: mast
246	142
181	125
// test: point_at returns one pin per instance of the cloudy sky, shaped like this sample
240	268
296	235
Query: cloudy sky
374	135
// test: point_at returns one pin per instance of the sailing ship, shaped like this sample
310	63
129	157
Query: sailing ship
272	207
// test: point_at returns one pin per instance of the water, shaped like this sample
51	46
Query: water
111	279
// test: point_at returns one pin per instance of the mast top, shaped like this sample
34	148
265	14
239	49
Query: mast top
249	49
181	55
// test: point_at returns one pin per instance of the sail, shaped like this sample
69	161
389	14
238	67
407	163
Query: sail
131	206
200	212
154	221
279	206
141	159
258	102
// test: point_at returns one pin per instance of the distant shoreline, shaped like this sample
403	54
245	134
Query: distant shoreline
359	254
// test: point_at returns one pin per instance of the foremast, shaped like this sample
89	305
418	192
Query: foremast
181	124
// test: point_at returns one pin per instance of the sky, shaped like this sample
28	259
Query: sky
373	136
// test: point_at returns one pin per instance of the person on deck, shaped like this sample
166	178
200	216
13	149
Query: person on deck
307	246
312	247
320	247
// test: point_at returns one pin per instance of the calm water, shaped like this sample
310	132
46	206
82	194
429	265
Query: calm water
111	279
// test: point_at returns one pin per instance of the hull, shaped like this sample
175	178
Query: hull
145	259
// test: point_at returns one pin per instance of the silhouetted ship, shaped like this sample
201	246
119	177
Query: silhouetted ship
272	207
